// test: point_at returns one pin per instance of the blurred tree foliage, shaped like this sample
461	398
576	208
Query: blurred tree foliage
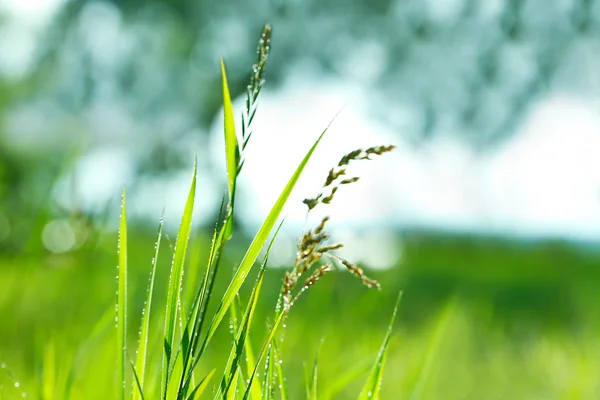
123	71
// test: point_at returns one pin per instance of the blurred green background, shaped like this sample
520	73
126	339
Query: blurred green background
487	216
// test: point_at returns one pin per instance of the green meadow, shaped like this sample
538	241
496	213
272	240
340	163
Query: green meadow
480	318
194	313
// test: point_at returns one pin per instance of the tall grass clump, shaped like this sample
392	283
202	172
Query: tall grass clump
189	328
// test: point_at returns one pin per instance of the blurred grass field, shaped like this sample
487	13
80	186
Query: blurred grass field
481	318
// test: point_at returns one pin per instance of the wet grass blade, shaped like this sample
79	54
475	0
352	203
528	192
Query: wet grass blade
257	244
373	385
266	346
198	390
200	304
140	391
283	392
140	368
255	390
267	384
232	152
122	300
233	363
175	281
432	351
252	254
313	379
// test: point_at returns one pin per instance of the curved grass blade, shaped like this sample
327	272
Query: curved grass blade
142	351
82	354
313	380
283	392
267	384
253	252
347	377
198	390
263	351
432	351
175	281
233	363
232	151
122	299
306	382
373	385
201	300
255	390
49	371
257	244
140	391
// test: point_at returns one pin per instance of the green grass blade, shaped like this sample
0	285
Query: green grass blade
175	281
198	390
306	382
255	390
82	355
232	152
373	385
432	351
140	368
236	352
140	391
267	384
257	244
233	363
252	253
263	352
200	305
122	300
347	377
283	391
49	373
313	380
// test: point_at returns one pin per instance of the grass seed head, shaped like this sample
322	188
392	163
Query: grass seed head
312	245
327	200
358	272
349	181
312	203
333	175
353	155
319	272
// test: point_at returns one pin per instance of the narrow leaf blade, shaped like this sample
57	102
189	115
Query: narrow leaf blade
231	143
263	351
122	299
142	352
257	244
140	391
198	390
175	282
432	351
233	363
283	391
313	380
371	388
